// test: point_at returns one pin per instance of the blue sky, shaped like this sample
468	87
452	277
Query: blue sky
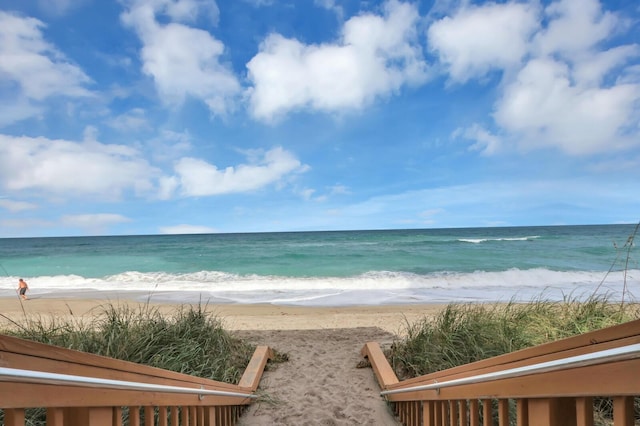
182	116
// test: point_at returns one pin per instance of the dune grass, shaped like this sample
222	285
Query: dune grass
464	333
192	340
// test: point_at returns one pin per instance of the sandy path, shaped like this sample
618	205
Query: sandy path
321	383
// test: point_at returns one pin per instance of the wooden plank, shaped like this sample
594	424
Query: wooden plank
584	411
27	354
148	416
427	413
252	374
552	411
14	417
464	413
623	410
522	412
453	413
134	416
55	416
474	413
174	419
503	412
597	380
22	395
384	373
163	416
627	333
487	412
117	416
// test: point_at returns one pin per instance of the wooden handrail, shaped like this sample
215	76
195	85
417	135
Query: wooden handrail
80	389
541	398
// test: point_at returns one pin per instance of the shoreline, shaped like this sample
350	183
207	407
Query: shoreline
390	318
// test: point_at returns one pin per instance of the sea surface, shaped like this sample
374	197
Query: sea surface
333	268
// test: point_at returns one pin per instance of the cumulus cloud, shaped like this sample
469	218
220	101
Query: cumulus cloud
32	70
479	39
69	169
567	87
375	56
182	60
195	177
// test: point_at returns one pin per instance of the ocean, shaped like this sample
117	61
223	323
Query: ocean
342	268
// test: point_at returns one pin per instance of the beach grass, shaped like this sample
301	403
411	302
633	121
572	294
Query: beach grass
464	333
191	340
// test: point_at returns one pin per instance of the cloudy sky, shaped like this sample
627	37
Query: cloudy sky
182	116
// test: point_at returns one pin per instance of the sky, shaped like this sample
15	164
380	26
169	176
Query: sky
127	117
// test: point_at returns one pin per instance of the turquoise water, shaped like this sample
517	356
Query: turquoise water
330	268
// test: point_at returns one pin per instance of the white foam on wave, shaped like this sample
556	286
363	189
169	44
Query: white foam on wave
378	287
484	240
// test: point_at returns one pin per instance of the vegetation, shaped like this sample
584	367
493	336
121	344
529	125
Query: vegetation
191	341
464	333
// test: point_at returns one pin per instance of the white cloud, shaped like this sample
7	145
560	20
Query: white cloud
16	206
195	177
478	39
565	88
183	61
187	229
543	107
36	66
375	56
575	26
485	142
70	169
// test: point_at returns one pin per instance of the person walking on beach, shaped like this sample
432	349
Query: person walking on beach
22	288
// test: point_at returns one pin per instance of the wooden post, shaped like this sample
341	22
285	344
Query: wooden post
14	417
464	415
55	416
134	416
474	413
503	412
522	412
584	411
175	411
552	411
427	413
117	416
94	416
148	416
487	413
623	411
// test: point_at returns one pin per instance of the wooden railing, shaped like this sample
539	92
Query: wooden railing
554	384
80	389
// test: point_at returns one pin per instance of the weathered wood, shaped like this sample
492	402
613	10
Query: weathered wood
384	373
252	374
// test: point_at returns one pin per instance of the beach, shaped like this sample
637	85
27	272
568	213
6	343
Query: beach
320	384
